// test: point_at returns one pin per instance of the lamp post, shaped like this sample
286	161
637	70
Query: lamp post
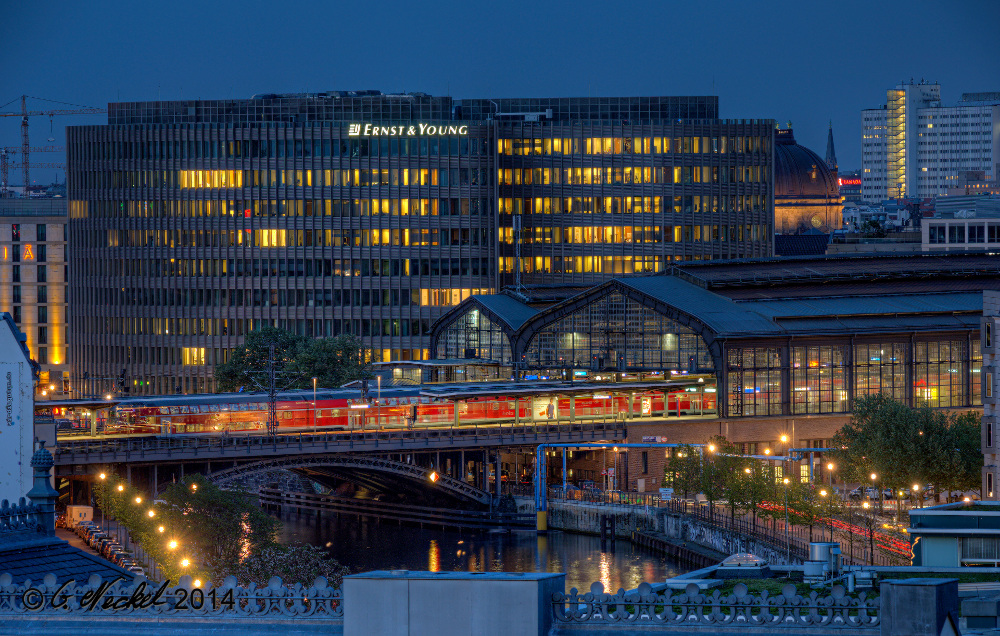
871	533
878	491
919	495
826	508
788	543
829	470
784	453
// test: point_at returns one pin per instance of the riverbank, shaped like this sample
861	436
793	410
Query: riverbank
365	543
680	536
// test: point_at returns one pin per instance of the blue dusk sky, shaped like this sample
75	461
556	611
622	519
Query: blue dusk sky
809	63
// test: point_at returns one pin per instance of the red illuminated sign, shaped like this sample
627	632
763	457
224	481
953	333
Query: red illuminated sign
844	182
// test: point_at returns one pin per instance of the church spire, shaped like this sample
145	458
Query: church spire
831	154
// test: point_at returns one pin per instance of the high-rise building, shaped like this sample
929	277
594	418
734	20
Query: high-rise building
33	277
196	222
914	146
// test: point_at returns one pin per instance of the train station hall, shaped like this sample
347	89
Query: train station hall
778	348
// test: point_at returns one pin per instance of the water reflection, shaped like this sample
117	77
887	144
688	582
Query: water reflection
366	544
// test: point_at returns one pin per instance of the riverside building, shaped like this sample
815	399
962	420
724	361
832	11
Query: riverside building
195	222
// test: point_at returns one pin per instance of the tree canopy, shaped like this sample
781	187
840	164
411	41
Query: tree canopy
903	446
297	360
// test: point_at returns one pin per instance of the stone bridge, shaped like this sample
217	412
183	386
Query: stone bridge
375	473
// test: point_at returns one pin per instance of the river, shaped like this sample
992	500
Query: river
364	544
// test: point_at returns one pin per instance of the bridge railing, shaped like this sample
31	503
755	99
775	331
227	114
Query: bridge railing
692	609
257	445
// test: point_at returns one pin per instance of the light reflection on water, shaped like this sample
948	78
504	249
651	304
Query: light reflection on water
365	544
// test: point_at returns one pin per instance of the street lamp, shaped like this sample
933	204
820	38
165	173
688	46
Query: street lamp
871	533
877	491
829	470
788	544
826	508
919	495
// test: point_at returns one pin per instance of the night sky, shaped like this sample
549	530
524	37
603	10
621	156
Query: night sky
808	62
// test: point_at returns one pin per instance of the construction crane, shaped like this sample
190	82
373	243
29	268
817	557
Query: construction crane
25	114
10	150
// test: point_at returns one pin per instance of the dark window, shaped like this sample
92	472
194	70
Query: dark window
43	296
645	462
936	234
43	335
40	253
43	315
956	233
15	232
40	232
17	274
43	355
977	233
17	294
41	274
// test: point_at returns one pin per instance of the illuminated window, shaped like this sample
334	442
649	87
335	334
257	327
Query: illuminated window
193	356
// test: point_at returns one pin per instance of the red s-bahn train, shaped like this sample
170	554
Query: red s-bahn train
394	408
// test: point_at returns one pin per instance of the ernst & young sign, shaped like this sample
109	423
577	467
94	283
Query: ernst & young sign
406	130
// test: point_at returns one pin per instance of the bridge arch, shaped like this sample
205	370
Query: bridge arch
359	469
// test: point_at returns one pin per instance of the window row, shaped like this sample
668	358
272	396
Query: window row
632	145
286	267
282	148
630	175
678	204
627	234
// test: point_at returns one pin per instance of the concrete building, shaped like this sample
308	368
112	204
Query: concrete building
962	223
915	146
196	222
33	276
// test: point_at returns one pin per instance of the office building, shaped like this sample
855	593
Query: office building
33	290
915	146
195	222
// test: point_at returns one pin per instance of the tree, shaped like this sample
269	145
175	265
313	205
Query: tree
683	469
297	360
216	528
332	361
218	532
903	446
872	229
247	364
883	437
718	467
294	564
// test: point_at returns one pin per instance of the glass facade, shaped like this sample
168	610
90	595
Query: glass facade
819	379
942	372
196	222
620	333
473	333
755	382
